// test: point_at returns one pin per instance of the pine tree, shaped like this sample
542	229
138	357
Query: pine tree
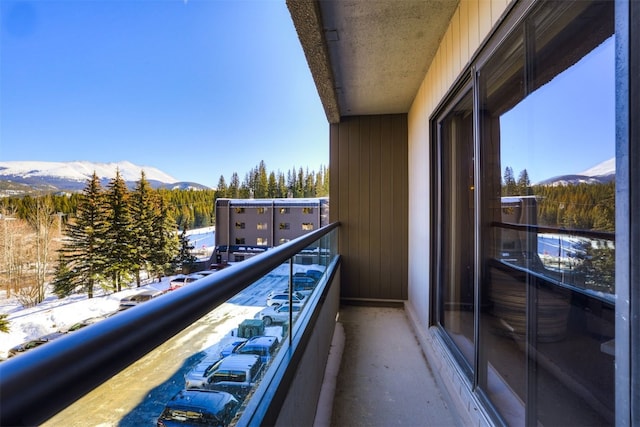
510	188
298	191
82	260
272	191
309	189
143	212
119	249
221	189
262	184
524	184
4	323
185	259
234	187
63	282
164	241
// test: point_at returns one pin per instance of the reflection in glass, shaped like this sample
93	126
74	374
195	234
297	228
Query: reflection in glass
457	217
547	137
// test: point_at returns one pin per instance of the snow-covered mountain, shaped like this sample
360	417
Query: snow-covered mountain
601	173
17	177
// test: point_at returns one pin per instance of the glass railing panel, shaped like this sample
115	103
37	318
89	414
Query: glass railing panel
220	359
188	365
550	308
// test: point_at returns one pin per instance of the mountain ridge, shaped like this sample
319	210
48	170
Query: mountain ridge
25	177
602	173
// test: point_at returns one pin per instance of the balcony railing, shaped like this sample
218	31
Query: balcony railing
582	260
42	382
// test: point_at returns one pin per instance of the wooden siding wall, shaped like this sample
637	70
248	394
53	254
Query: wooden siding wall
369	196
470	25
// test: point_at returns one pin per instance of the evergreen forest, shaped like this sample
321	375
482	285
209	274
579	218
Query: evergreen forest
576	206
109	237
196	208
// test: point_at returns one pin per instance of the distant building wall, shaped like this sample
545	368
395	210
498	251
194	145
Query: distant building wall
245	227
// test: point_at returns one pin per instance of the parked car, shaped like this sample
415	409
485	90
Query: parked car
281	297
303	284
235	374
205	272
31	344
82	324
278	314
139	298
263	346
181	280
195	377
199	408
230	348
314	274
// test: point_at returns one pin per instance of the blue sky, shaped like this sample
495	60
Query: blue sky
566	126
197	89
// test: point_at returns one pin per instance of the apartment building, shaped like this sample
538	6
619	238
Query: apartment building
247	227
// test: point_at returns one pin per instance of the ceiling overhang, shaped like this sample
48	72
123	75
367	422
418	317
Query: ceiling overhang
369	56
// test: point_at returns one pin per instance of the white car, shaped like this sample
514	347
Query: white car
182	280
278	313
139	298
282	297
195	378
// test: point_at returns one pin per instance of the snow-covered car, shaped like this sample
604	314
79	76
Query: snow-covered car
230	348
235	374
182	280
199	408
263	346
195	377
140	297
304	284
278	314
79	325
281	297
315	274
26	346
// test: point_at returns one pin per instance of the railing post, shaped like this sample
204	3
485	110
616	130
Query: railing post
290	299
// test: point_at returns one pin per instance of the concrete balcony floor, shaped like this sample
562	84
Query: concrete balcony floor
384	378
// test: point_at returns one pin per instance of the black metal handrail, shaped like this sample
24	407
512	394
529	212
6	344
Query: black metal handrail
538	229
42	382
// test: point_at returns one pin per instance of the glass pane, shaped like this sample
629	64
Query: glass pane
548	146
502	371
458	213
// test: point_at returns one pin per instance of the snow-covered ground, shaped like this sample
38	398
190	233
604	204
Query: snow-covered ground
55	314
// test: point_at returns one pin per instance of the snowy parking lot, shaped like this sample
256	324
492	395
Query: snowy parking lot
138	394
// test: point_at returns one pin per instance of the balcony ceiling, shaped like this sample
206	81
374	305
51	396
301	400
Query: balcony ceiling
369	56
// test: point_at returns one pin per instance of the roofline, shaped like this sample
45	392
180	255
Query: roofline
307	20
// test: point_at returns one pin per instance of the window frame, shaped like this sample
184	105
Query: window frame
513	19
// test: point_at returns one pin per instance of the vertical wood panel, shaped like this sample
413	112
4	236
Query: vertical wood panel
353	184
455	42
484	18
474	26
400	206
386	207
364	205
372	198
375	242
497	8
334	172
343	190
463	10
438	74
